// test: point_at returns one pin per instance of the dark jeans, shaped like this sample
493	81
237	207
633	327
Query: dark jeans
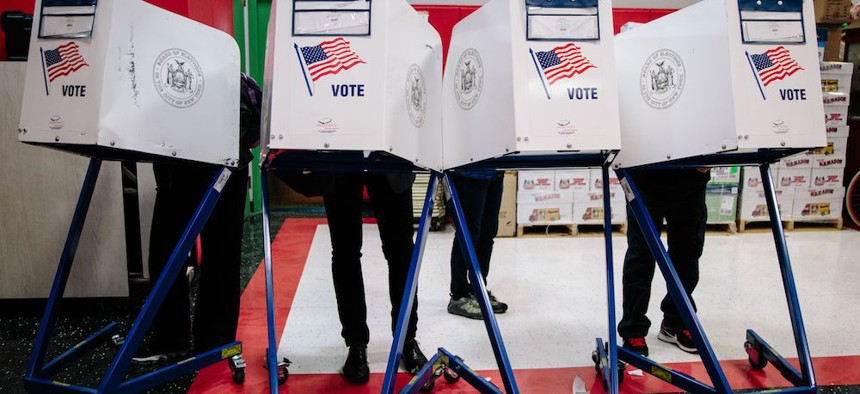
181	186
481	201
394	218
682	204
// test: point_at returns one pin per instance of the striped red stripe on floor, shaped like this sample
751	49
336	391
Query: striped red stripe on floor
290	251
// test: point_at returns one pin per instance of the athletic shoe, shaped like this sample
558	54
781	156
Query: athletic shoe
466	307
636	345
498	306
413	358
679	337
355	369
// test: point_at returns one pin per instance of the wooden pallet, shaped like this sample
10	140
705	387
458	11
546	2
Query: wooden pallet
814	224
729	227
566	230
759	226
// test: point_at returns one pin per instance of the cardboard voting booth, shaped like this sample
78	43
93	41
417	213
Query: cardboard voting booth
110	77
720	76
354	75
531	77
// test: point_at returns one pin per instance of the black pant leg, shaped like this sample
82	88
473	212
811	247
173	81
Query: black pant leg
217	309
180	186
489	224
394	219
686	225
638	271
473	196
343	210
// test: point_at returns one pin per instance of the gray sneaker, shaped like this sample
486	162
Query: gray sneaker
498	306
466	307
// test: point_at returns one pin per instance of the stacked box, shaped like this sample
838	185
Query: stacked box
588	204
508	209
540	201
819	203
754	204
721	195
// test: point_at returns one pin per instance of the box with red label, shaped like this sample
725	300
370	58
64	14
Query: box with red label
821	193
536	181
828	161
835	147
615	196
592	212
827	177
597	180
838	132
793	178
836	78
752	178
801	160
544	197
836	115
754	205
817	208
572	180
544	214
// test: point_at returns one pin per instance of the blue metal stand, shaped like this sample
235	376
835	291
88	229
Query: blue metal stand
38	376
759	351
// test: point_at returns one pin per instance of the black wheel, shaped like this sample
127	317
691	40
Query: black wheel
283	374
435	224
451	376
428	387
239	375
756	359
596	361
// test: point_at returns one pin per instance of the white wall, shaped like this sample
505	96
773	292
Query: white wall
667	4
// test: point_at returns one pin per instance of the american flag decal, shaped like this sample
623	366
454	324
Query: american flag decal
63	60
329	57
774	65
563	62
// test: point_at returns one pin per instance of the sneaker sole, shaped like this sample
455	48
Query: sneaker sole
465	314
673	340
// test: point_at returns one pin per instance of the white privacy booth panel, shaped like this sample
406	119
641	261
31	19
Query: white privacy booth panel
354	75
531	77
720	76
126	77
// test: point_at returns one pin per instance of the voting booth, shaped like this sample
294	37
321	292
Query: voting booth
720	76
531	77
126	80
351	86
356	75
721	82
109	76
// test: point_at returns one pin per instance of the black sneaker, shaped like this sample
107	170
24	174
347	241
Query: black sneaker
413	358
498	306
150	356
466	307
679	337
355	369
636	345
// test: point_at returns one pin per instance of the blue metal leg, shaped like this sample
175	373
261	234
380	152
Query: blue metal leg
442	361
115	373
610	370
158	377
674	285
272	349
788	283
79	350
664	373
468	248
424	376
410	288
49	317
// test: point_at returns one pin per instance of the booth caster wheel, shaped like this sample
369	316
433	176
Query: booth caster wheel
436	224
756	358
283	369
428	387
116	342
449	374
237	367
621	368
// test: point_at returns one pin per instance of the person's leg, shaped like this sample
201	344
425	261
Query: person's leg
472	195
638	271
217	308
180	187
489	225
343	210
685	231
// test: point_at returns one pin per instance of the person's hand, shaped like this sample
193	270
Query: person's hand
703	169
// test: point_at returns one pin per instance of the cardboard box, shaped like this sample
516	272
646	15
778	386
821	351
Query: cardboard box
833	46
832	11
596	196
754	205
835	147
793	178
838	132
752	179
827	177
725	175
529	181
836	82
542	197
597	180
592	212
544	214
572	180
828	161
820	193
722	203
508	210
817	208
801	160
836	115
